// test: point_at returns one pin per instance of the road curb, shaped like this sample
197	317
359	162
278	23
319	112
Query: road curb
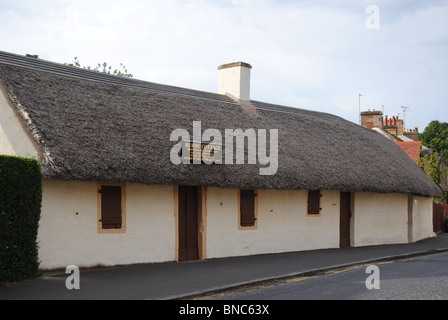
306	273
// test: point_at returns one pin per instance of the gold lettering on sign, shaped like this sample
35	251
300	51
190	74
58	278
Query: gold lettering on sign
202	152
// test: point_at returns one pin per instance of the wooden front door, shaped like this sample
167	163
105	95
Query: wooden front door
188	223
344	222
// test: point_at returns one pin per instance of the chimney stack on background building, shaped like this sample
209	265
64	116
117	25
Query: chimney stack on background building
234	80
372	119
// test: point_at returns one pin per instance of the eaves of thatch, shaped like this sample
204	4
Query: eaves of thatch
95	127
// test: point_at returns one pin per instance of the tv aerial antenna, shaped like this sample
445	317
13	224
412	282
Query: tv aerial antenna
404	114
360	95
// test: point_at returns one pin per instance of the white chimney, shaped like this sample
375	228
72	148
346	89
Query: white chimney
234	80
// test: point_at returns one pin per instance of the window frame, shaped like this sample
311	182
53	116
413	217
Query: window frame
100	229
255	225
313	214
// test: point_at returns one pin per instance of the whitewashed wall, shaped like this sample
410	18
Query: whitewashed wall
379	219
67	238
283	223
421	219
14	141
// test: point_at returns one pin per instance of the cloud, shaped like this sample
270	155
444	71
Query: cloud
315	54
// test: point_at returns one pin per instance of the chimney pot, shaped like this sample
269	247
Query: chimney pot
234	79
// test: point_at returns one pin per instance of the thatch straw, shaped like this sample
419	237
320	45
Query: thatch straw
96	131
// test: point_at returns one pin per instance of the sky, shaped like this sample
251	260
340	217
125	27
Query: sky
312	54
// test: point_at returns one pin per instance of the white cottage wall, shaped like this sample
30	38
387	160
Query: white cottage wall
421	224
380	219
68	232
14	141
282	223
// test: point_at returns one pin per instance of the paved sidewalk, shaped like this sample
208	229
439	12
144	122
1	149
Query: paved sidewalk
176	280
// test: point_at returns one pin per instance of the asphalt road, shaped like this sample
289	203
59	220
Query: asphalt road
418	278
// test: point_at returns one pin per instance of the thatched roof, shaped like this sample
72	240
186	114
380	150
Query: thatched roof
96	127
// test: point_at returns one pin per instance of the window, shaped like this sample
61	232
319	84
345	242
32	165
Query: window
314	202
111	208
248	209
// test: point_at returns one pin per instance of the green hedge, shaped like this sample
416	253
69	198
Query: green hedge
20	205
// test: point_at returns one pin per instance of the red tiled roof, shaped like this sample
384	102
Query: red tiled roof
412	149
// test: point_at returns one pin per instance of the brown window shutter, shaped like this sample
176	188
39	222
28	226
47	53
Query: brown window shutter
314	202
247	208
111	207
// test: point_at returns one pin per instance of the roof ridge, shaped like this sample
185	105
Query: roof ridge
42	65
293	110
12	59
